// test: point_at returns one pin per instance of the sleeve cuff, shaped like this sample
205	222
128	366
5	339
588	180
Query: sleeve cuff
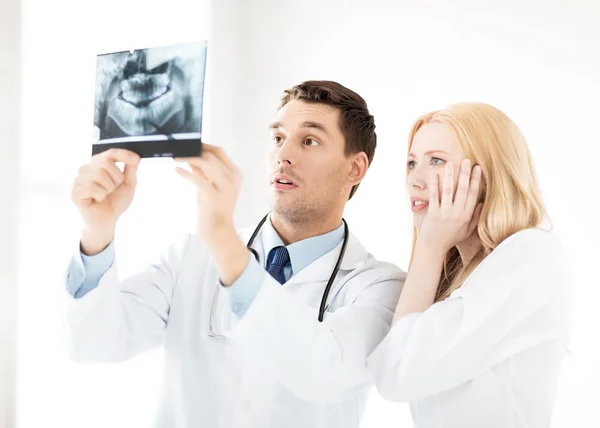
96	266
84	272
243	291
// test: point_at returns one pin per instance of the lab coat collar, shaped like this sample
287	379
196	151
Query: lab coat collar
321	269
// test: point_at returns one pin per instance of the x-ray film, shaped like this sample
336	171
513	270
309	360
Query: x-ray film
150	100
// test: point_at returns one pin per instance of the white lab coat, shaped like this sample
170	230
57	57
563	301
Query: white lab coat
489	355
279	367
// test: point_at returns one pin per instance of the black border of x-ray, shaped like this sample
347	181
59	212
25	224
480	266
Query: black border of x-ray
156	149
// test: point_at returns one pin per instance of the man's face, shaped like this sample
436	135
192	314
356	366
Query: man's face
308	169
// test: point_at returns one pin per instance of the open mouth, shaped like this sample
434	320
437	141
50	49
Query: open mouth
283	182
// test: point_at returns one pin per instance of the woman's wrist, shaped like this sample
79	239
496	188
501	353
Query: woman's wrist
430	251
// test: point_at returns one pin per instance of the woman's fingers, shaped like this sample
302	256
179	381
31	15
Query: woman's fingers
462	189
448	189
434	198
475	219
473	193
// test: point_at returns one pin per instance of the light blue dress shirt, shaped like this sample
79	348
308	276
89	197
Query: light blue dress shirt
84	272
302	253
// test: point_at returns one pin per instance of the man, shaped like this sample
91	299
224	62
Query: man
245	343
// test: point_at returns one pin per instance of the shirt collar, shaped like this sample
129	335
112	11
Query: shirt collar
302	253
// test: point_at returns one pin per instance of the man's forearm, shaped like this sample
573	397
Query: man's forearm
230	255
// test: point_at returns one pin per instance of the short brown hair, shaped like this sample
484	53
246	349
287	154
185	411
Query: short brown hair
356	123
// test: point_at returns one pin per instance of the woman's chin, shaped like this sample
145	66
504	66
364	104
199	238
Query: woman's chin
417	221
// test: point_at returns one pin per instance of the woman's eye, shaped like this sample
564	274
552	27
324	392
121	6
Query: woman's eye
437	161
410	164
310	142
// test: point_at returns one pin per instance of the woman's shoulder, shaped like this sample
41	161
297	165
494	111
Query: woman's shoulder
536	240
531	250
532	256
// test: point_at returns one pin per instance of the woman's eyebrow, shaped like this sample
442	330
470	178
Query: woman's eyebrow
429	153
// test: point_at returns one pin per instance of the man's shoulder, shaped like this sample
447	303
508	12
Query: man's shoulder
365	264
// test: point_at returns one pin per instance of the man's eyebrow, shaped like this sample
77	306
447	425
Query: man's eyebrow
316	125
306	124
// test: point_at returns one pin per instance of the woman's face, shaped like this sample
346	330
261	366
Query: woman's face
432	147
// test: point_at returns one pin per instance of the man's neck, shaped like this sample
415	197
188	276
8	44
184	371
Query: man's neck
294	232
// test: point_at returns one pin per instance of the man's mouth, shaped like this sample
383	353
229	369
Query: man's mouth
283	182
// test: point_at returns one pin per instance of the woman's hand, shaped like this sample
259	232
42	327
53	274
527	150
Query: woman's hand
451	221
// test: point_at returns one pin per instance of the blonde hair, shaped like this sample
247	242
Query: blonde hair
510	194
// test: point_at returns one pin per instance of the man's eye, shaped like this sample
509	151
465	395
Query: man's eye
310	142
277	139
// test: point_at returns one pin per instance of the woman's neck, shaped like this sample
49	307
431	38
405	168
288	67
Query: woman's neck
469	247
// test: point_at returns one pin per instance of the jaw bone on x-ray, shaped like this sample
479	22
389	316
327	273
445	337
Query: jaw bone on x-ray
150	100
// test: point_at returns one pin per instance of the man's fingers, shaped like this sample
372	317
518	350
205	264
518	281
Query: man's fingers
209	151
222	156
98	176
198	179
114	172
107	160
130	174
212	168
89	191
117	155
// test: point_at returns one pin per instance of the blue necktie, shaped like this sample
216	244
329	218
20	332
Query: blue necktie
278	258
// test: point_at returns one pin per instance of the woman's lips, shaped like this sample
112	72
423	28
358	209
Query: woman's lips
420	207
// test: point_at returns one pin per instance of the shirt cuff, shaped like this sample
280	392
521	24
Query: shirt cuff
243	291
84	272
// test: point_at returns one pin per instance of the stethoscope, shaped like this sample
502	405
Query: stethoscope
323	306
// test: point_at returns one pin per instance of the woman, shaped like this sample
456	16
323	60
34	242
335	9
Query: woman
482	323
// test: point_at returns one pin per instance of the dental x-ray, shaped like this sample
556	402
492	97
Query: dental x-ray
150	100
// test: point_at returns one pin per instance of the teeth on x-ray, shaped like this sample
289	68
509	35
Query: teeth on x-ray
149	93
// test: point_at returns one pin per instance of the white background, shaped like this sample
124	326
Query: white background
537	61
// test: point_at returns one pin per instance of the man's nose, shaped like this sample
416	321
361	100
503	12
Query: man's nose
286	153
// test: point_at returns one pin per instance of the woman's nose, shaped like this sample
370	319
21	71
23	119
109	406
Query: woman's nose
417	179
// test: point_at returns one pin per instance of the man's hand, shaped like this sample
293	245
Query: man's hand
102	192
218	181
